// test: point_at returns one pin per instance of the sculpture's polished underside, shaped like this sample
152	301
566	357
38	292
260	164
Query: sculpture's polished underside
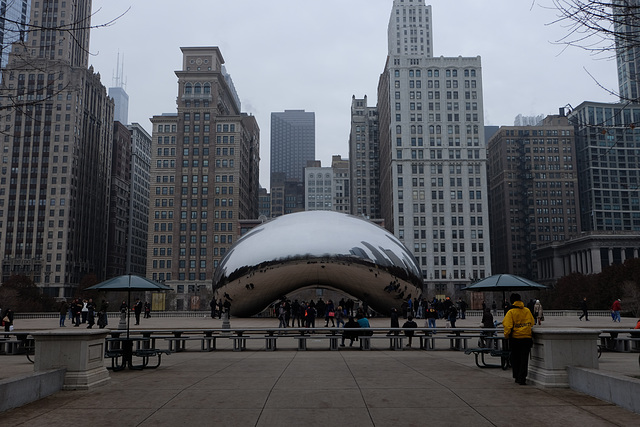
316	248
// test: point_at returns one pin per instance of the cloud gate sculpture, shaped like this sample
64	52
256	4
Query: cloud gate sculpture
320	249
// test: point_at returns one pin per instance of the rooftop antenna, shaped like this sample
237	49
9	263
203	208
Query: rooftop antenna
118	79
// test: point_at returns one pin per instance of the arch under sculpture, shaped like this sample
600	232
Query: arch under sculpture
316	248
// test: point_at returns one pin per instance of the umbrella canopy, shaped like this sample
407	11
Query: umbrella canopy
129	282
504	282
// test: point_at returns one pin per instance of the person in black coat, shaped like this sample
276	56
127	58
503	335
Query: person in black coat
585	308
350	331
395	323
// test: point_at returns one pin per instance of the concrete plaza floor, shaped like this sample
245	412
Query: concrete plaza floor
319	387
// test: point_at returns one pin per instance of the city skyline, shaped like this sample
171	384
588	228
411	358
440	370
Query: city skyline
309	57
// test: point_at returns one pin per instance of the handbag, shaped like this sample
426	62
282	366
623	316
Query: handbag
332	314
5	319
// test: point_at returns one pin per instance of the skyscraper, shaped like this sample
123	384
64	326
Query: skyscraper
204	177
138	200
627	48
14	16
533	192
433	184
293	142
54	184
364	152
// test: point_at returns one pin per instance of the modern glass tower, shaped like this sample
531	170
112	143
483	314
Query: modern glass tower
293	142
433	180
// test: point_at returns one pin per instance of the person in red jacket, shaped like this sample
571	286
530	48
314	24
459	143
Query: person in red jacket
615	311
518	324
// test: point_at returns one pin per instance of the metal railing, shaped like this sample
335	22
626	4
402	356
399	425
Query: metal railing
207	313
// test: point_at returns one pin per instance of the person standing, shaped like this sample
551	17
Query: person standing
615	310
64	308
84	310
395	323
585	312
147	310
91	314
538	313
282	312
77	310
432	315
7	319
137	310
339	316
518	325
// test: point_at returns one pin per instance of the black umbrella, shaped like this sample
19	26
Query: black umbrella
503	283
129	283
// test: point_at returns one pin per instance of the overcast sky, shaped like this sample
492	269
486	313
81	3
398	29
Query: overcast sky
315	54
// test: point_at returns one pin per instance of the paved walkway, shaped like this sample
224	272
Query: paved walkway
377	388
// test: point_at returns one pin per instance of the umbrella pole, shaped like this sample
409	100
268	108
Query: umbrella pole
129	307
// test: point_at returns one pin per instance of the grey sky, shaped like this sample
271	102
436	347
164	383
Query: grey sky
316	54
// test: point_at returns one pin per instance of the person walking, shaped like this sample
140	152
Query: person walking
329	314
518	325
538	313
585	312
615	310
395	323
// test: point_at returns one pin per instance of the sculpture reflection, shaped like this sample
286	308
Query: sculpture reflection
317	248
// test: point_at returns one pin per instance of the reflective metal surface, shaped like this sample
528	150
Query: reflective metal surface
316	248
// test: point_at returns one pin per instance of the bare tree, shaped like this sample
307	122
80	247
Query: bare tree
599	26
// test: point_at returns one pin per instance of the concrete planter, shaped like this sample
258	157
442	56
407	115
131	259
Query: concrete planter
80	352
556	349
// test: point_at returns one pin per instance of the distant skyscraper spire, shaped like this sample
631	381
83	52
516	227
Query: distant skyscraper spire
119	95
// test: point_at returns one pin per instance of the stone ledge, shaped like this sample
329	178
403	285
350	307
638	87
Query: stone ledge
608	386
18	391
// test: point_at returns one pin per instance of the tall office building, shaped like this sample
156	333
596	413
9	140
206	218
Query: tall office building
533	192
14	17
608	166
54	184
138	200
204	177
293	142
627	48
364	152
119	201
327	188
433	183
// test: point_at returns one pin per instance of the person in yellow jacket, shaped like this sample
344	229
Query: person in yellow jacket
518	324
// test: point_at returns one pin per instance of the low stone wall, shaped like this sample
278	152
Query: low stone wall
18	391
608	386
